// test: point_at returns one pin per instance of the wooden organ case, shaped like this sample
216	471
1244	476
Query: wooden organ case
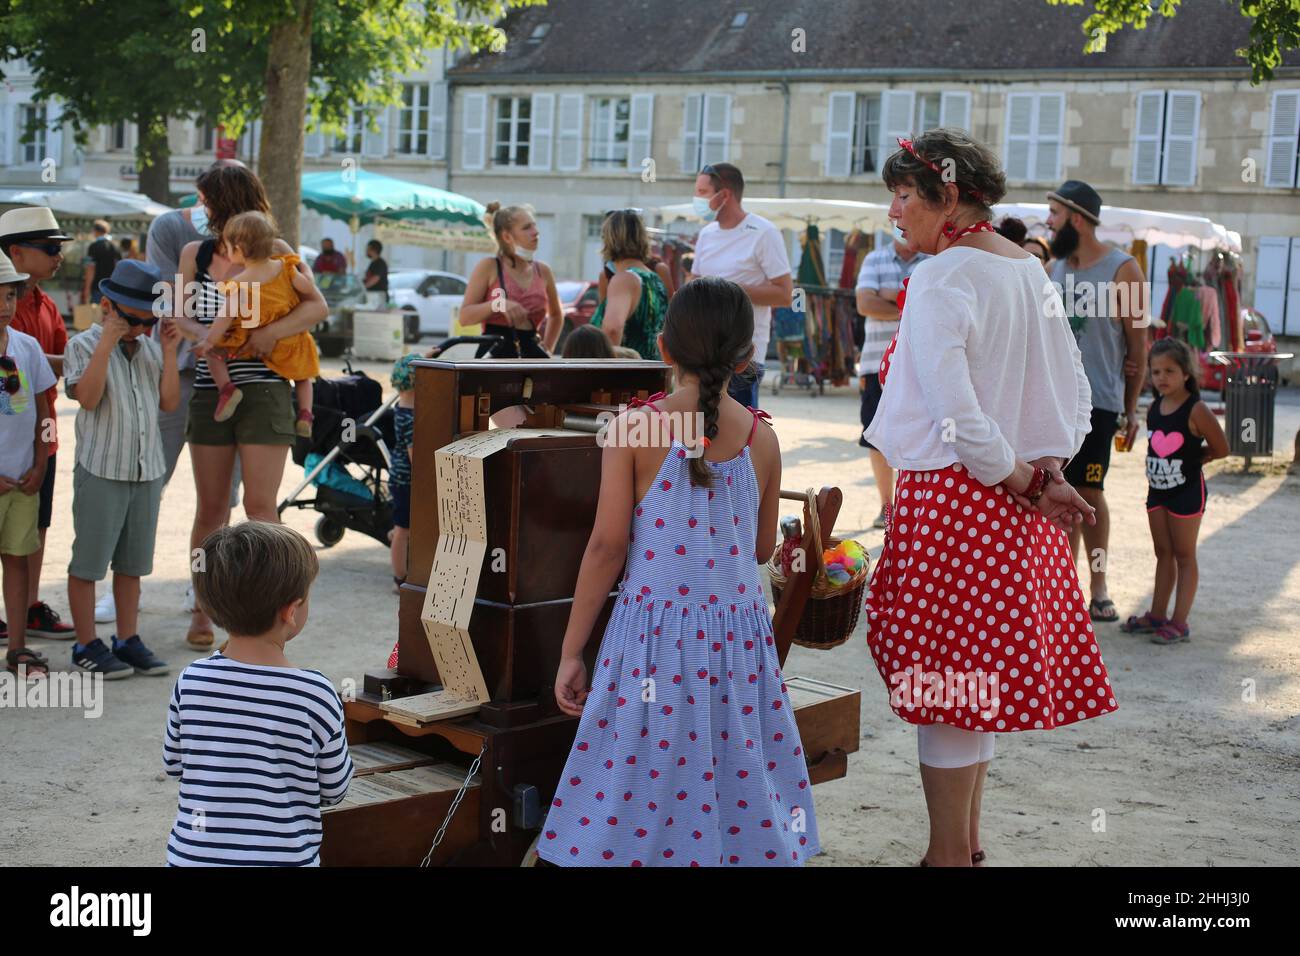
540	504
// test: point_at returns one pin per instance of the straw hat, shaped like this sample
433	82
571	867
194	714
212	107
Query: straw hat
30	222
8	273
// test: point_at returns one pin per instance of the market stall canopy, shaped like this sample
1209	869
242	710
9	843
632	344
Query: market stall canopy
88	202
842	214
361	197
1122	225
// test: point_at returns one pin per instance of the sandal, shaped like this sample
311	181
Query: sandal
1103	610
978	857
1171	633
1145	624
200	638
28	660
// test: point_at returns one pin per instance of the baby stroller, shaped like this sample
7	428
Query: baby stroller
347	459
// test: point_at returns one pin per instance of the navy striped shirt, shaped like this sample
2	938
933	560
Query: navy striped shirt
258	750
244	371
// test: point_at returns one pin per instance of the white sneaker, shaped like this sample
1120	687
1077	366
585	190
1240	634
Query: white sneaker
105	609
189	606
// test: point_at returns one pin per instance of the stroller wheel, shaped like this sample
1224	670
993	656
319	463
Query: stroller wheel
328	531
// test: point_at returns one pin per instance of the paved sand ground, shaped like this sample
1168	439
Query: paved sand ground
1187	772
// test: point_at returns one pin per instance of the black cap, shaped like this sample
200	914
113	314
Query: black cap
1080	197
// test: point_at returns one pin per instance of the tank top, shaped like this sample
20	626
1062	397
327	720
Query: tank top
210	300
1101	339
1173	452
533	298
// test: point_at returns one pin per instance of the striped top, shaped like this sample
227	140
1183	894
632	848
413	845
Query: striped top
882	269
119	439
258	750
208	306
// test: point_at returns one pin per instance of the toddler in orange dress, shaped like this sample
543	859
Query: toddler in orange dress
268	288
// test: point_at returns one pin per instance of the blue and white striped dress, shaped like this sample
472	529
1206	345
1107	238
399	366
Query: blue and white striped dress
687	753
258	750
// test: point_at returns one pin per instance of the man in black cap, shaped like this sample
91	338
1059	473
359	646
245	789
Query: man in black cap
1105	299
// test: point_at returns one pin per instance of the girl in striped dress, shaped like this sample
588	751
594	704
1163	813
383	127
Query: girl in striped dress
687	753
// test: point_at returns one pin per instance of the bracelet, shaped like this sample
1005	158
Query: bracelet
1037	484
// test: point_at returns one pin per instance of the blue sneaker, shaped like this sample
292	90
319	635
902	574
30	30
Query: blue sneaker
133	653
95	658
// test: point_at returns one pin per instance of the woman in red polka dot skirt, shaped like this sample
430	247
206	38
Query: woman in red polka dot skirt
976	620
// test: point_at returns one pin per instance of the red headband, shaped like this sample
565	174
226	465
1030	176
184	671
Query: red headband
907	145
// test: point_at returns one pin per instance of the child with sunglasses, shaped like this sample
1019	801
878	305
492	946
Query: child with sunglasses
25	374
120	377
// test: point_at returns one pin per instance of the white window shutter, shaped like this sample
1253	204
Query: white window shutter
437	120
1271	278
568	148
1290	320
375	144
6	134
954	111
839	133
54	132
1148	137
473	144
540	131
1182	126
1283	136
1049	132
716	144
895	121
691	109
640	134
1017	149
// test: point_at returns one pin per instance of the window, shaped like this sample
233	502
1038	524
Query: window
739	20
539	33
413	120
611	119
1277	283
350	141
1034	137
205	137
116	137
706	130
33	123
863	128
1283	142
513	123
1165	134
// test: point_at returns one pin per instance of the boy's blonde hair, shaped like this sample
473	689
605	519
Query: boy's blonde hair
252	233
249	571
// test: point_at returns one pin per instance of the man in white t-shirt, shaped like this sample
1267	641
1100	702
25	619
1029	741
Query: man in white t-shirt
749	251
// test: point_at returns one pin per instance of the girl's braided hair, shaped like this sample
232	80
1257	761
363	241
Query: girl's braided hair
709	330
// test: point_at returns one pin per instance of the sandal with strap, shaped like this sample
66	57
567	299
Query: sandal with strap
1171	633
978	857
1145	624
1103	611
25	659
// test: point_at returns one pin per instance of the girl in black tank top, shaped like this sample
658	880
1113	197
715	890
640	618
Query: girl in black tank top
1183	435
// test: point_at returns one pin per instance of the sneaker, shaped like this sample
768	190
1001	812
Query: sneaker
44	621
96	658
189	605
227	401
105	609
133	653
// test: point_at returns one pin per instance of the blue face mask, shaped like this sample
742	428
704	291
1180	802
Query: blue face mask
199	218
609	265
898	234
703	209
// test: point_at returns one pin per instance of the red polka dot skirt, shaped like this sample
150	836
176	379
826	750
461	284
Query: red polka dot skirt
975	615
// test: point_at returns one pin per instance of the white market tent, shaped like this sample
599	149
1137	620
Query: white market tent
798	214
1122	225
90	202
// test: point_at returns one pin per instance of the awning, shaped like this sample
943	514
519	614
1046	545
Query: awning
1121	224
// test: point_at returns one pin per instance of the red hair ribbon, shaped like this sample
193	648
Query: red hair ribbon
907	145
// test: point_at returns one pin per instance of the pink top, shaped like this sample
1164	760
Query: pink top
533	298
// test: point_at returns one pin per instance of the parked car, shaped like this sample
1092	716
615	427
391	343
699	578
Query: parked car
429	298
1259	338
343	292
578	299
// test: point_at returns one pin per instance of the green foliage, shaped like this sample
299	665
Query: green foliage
1274	29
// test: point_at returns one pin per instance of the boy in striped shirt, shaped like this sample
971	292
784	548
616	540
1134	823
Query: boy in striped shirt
257	743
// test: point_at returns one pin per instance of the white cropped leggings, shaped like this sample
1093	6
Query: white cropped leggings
945	747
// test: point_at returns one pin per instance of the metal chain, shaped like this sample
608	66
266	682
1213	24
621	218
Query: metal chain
451	810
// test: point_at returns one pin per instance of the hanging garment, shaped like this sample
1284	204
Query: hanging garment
1208	296
1186	320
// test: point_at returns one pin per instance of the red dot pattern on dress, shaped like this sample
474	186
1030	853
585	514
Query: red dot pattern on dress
969	582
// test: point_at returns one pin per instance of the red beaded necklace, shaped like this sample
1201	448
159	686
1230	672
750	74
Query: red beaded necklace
952	233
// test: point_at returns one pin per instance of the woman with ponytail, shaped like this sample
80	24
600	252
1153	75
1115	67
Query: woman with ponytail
513	295
687	752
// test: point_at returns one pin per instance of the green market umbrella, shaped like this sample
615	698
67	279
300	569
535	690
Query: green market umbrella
361	197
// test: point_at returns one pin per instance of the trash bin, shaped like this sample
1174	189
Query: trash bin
1249	395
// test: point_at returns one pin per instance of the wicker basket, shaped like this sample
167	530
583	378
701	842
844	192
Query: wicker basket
831	613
